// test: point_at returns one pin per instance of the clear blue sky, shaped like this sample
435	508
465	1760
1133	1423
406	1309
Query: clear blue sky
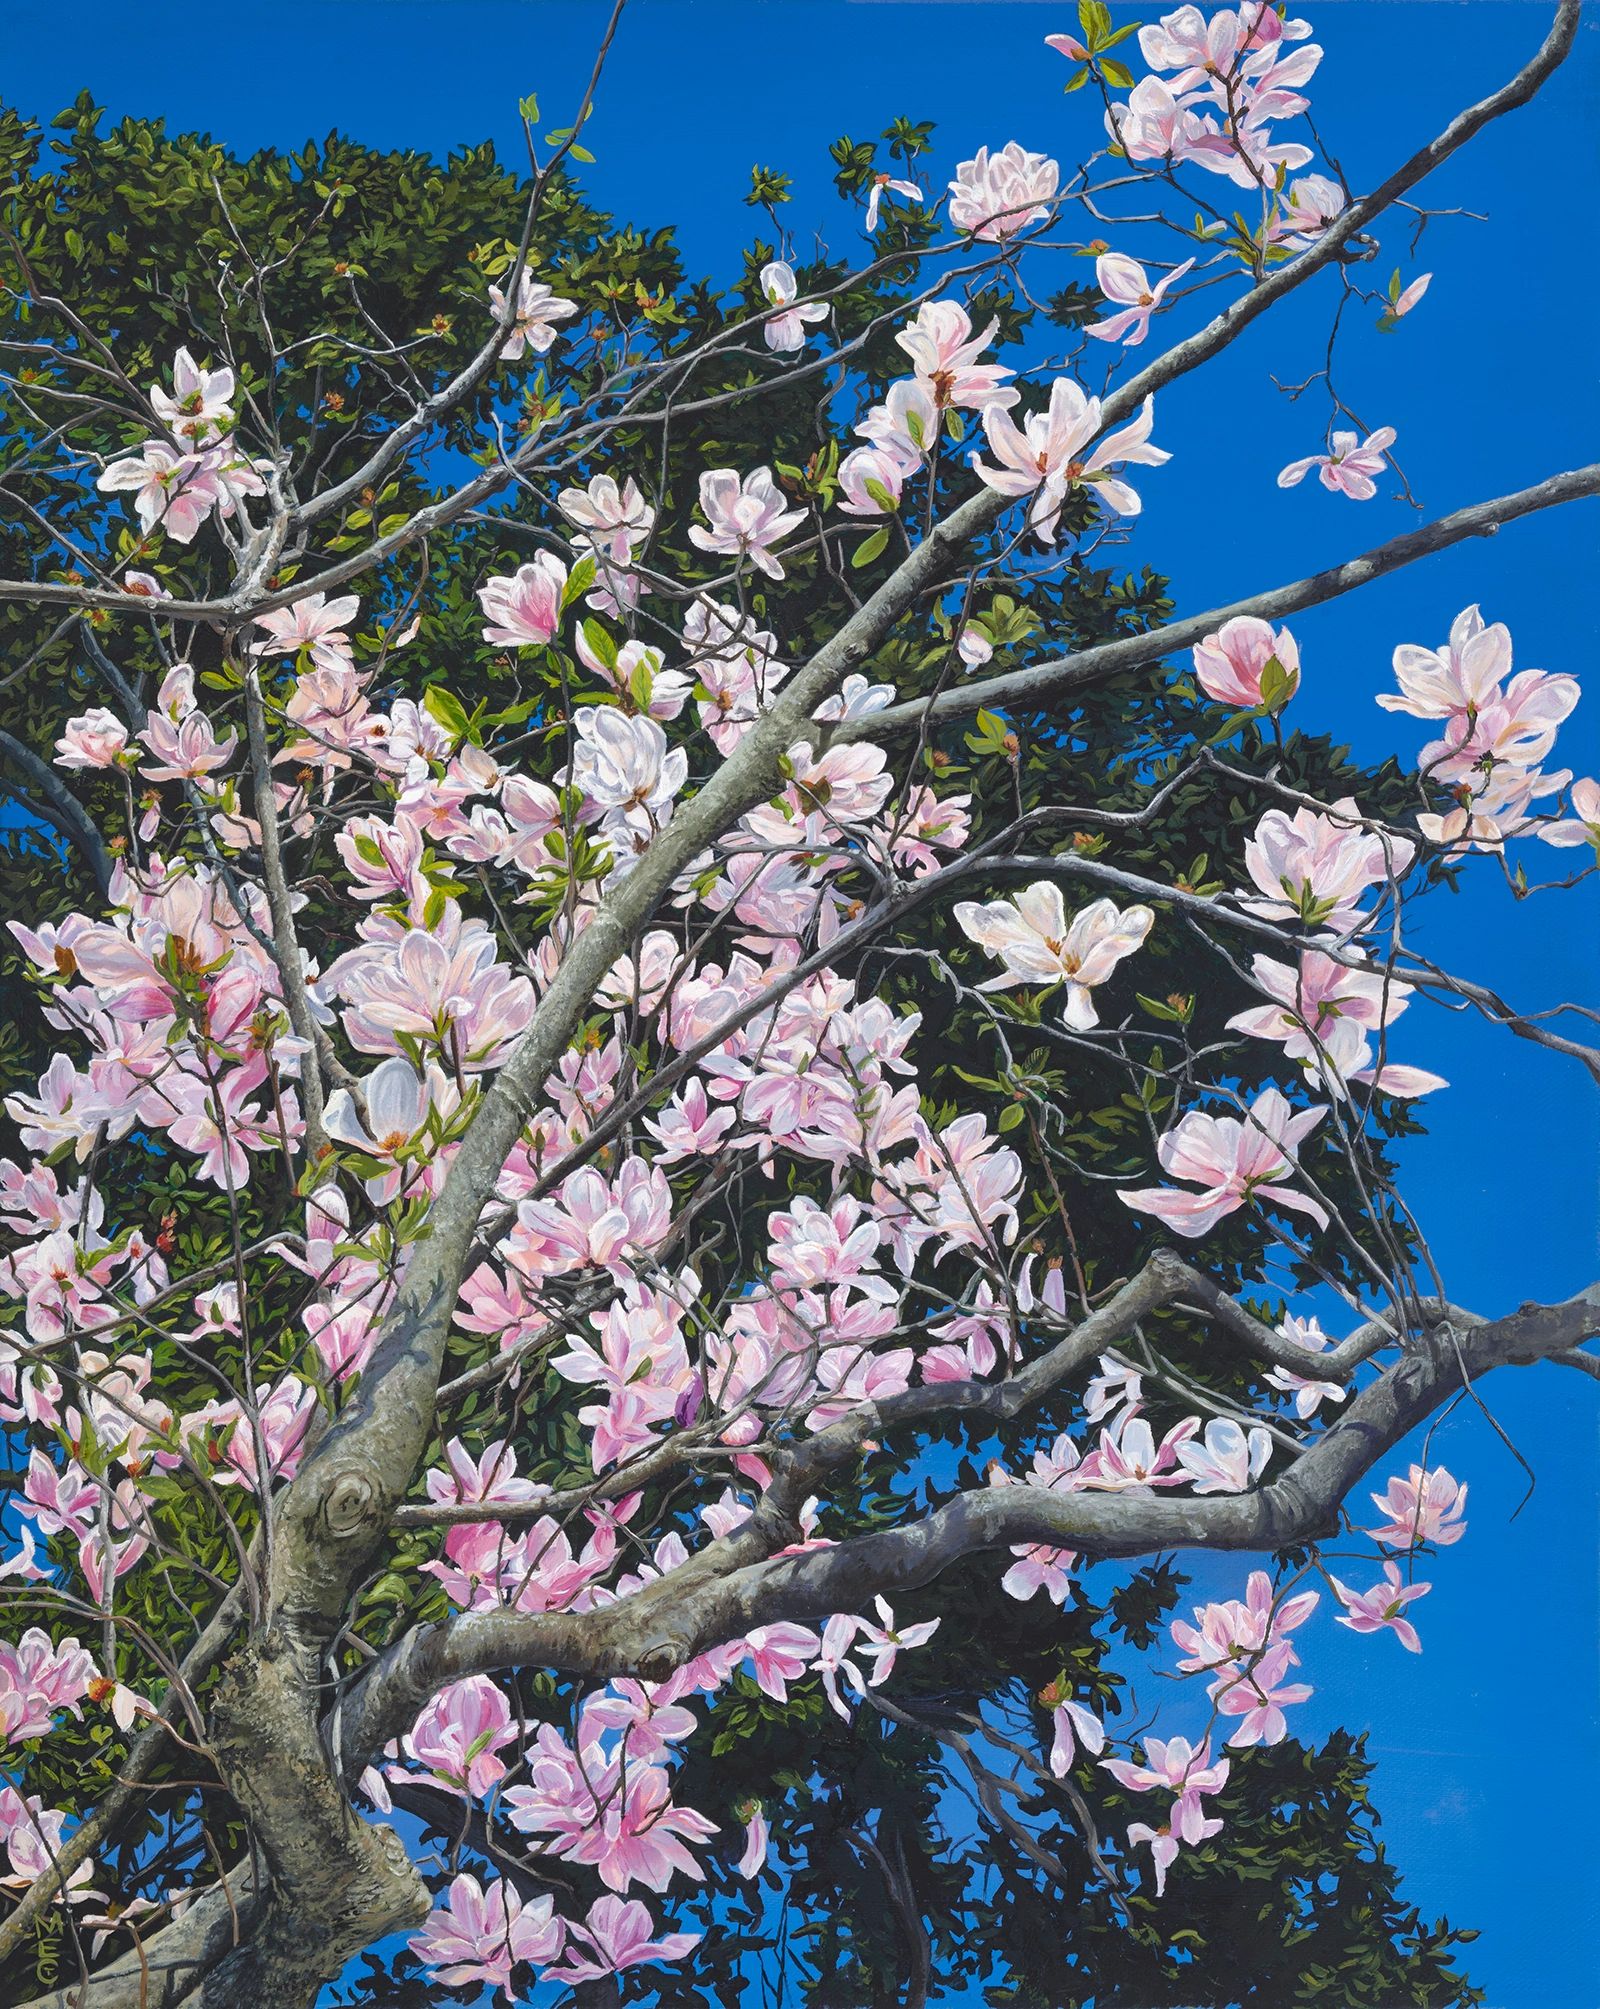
1487	1781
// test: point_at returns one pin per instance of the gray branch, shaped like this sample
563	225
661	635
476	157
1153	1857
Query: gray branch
51	798
1023	689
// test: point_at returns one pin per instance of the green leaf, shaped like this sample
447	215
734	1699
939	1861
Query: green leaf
869	548
1277	685
600	644
448	711
579	581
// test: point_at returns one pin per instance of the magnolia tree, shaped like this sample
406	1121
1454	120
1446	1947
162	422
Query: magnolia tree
672	1094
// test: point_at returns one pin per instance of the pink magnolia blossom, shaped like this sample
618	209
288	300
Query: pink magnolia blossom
614	522
1231	664
1188	1823
1128	1455
284	1412
37	1678
617	1934
1400	304
1072	1725
1324	1016
399	1103
905	426
1583	827
491	1476
785	331
623	766
746	517
22	1565
382	857
882	1643
457	1736
688	1126
533	325
1127	285
1349	465
1382	1606
184	750
753	1856
617	1816
1039	1567
1490	808
1515	728
1117	1387
178	491
1255	1695
1309	1393
477	1936
1226	1460
60	1499
928	828
197	407
522	610
1230	1631
33	1834
1422	1507
1155	123
650	1718
888	184
944	354
315	625
1309	205
94	739
446	990
1201	47
1050	453
973	646
1235	1162
1171	1763
870	482
1315	866
995	196
1034	943
779	1654
219	1125
591	1220
812	1245
1462	676
614	516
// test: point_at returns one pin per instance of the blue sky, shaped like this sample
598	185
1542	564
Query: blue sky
1486	1778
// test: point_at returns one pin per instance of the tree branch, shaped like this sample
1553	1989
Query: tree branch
1023	689
53	800
656	1630
286	941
